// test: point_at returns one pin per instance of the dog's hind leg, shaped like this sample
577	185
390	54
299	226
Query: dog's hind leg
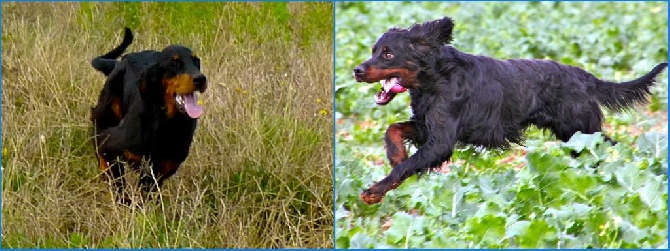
395	137
108	112
114	156
110	166
104	164
586	119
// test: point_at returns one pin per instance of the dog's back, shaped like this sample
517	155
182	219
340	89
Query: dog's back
506	96
131	67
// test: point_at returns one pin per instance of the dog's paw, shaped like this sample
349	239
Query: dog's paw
370	197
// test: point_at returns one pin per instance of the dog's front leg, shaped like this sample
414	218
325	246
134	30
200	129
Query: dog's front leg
395	138
153	179
437	149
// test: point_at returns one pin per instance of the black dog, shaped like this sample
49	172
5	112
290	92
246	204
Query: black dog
462	98
147	110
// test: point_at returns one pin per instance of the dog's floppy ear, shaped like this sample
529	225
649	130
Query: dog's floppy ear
151	85
435	32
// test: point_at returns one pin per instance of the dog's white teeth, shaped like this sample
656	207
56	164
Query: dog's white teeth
388	83
384	85
393	81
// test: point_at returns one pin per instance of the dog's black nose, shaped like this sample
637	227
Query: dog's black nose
359	70
200	82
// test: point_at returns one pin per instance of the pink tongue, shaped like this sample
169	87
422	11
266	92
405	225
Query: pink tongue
191	105
392	86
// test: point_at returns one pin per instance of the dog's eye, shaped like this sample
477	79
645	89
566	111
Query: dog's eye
175	63
388	55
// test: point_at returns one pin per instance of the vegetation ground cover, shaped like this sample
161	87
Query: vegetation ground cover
529	196
260	169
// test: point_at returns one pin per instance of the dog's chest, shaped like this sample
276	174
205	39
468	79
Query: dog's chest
419	103
173	138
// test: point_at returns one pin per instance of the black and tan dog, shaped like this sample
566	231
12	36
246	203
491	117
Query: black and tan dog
146	111
463	98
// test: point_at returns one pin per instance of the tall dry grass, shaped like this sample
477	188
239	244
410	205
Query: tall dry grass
260	169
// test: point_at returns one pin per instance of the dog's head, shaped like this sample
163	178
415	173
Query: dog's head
178	77
400	54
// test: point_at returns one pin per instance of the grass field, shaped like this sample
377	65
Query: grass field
260	169
531	196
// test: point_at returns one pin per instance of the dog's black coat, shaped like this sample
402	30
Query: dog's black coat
136	117
462	98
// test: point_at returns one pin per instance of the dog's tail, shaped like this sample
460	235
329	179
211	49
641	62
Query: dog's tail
620	96
107	62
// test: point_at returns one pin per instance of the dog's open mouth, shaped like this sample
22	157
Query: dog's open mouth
188	103
390	87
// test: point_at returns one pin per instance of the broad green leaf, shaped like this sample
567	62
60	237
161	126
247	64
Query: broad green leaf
653	143
652	194
490	229
631	233
579	141
519	228
400	229
362	240
539	234
630	176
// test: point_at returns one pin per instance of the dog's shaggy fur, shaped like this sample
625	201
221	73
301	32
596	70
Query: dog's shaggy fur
147	110
462	98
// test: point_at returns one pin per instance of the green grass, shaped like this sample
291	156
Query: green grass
260	169
531	196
